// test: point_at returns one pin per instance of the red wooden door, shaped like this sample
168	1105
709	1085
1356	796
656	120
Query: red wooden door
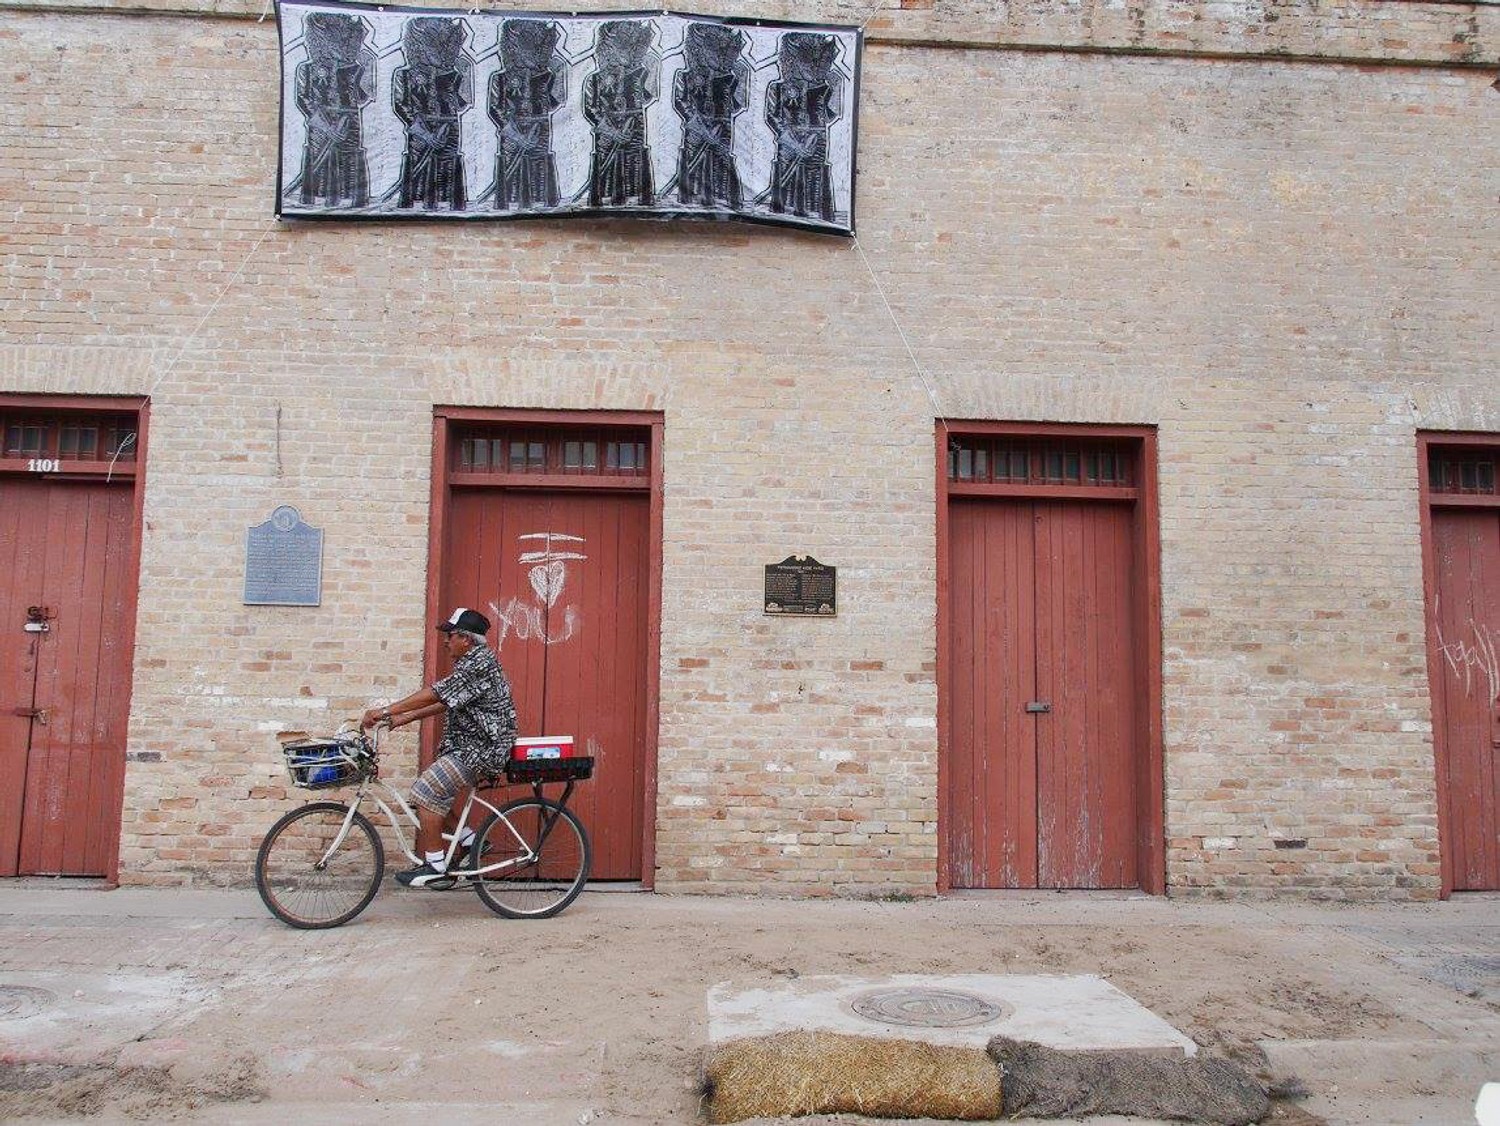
69	550
563	577
1086	757
1467	687
992	776
1043	710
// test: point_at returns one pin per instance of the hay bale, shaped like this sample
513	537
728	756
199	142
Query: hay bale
1045	1082
794	1073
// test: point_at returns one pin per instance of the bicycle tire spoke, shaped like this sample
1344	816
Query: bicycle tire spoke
305	880
558	863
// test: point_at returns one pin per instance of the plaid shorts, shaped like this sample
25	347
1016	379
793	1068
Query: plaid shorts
441	783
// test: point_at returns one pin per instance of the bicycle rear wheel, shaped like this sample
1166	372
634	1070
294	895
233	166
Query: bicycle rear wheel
545	852
302	884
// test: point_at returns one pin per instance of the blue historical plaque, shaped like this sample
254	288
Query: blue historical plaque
801	586
284	561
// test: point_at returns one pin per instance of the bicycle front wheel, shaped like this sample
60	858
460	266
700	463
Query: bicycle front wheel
305	881
534	856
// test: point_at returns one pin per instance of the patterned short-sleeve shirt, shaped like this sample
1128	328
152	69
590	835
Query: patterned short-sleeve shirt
480	727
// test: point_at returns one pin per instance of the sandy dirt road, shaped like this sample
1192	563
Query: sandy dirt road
197	1006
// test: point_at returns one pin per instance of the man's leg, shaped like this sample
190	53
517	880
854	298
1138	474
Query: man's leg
434	794
431	826
430	829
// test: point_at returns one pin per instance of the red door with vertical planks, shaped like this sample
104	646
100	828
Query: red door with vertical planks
66	550
1049	666
1464	631
563	576
1042	759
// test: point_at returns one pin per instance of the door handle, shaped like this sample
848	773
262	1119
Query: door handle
38	714
1038	707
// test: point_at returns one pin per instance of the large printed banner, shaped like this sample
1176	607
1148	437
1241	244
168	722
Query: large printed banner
393	112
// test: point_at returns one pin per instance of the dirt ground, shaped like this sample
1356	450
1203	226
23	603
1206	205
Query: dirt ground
136	1005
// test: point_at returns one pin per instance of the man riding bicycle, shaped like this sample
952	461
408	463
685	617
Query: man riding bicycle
479	732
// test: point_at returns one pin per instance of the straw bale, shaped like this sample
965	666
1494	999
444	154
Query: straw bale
794	1073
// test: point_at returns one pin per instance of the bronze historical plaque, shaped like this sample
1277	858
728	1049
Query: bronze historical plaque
800	585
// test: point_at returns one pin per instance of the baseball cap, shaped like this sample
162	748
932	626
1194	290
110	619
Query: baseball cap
470	621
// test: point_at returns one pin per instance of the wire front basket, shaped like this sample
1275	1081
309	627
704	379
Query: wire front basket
321	764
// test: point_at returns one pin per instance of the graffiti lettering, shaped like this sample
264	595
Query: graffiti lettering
525	621
548	575
1464	658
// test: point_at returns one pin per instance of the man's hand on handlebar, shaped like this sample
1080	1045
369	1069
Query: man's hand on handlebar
419	705
375	716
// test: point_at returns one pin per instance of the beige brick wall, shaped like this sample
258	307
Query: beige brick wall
1383	31
1286	267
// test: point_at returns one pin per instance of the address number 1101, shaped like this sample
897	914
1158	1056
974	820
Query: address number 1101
44	465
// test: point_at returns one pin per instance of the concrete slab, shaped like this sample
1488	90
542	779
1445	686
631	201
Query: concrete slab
965	1010
67	1015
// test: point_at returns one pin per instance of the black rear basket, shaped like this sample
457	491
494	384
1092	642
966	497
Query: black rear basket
530	771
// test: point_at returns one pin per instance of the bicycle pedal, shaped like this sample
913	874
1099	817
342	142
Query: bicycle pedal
442	883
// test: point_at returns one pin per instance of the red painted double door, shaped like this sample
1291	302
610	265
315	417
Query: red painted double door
66	606
1043	701
564	577
1466	686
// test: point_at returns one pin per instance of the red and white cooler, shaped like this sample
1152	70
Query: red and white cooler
543	747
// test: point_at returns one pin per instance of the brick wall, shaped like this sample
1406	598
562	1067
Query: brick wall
1285	266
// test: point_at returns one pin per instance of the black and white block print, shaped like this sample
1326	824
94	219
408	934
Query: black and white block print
709	92
801	105
392	112
332	89
616	98
523	97
429	94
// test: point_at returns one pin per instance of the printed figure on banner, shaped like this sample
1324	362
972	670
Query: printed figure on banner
615	100
333	86
800	107
707	93
430	94
523	95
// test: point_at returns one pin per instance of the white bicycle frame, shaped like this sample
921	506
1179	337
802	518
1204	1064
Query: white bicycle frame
367	789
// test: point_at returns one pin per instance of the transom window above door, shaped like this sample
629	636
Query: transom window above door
1462	472
510	449
1039	461
72	436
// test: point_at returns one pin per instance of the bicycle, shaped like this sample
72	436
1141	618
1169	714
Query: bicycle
321	864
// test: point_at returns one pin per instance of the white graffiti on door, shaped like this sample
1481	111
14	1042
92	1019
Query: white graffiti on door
1463	658
548	576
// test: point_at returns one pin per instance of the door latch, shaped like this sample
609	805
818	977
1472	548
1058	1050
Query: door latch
37	618
1038	707
38	714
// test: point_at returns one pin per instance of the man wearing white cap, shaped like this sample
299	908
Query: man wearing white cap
479	731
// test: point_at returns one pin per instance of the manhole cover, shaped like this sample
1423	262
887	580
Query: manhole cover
928	1008
23	1000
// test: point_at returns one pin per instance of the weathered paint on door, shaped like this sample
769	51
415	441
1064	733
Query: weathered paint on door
563	577
1466	614
65	547
1042	762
